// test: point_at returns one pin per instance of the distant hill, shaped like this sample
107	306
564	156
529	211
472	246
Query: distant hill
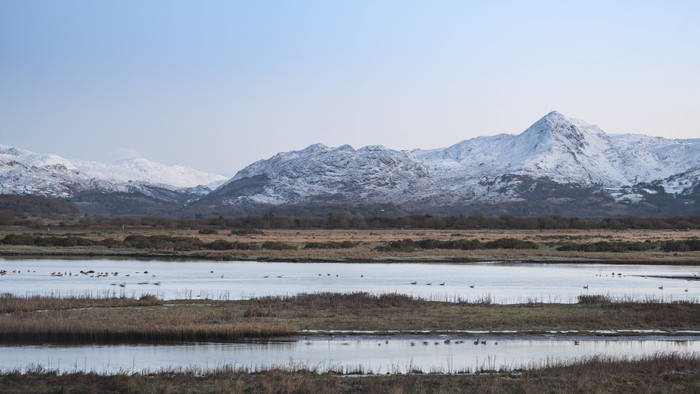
558	166
131	186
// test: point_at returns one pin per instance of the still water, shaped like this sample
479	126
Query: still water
381	354
497	282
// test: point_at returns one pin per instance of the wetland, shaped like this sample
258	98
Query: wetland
375	306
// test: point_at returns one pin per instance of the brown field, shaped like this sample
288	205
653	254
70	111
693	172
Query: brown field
658	374
150	320
368	240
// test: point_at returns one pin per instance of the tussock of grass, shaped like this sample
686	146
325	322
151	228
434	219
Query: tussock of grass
594	299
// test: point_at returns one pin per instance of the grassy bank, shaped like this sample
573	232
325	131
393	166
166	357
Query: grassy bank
114	321
628	246
13	304
654	374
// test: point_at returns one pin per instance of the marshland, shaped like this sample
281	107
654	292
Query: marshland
609	303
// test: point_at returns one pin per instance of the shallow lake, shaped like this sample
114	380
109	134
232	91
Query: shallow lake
346	354
497	282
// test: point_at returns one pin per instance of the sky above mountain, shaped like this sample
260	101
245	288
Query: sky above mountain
216	85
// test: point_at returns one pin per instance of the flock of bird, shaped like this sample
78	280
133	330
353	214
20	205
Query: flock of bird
427	343
478	341
93	274
619	275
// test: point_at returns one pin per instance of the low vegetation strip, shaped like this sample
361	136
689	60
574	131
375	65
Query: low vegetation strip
456	247
160	242
685	245
661	373
223	321
117	320
244	225
10	303
678	247
463	244
57	331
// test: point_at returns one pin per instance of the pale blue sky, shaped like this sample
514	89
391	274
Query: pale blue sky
216	85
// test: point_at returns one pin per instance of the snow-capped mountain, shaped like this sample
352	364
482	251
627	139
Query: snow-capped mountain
567	151
556	166
328	174
146	171
25	172
557	162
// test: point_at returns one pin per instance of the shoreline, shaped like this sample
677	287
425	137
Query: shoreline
188	256
658	373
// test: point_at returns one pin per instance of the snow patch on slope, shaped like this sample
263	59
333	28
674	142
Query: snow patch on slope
25	172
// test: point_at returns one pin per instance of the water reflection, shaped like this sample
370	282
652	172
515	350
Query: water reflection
498	283
447	354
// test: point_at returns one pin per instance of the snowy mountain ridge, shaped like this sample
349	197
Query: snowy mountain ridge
554	151
557	165
25	172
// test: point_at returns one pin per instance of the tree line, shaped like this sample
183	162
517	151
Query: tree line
345	221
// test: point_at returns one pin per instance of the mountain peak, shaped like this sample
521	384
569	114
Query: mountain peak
554	118
554	114
556	126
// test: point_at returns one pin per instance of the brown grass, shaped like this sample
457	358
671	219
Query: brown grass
280	316
360	311
121	320
669	373
366	242
10	303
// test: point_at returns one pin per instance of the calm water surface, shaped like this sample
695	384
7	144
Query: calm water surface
501	283
343	354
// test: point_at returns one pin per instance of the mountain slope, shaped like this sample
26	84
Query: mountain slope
562	164
328	174
27	173
556	166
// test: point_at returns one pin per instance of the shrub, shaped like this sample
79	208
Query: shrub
18	239
247	231
510	243
594	299
406	245
681	246
221	244
158	242
277	246
330	245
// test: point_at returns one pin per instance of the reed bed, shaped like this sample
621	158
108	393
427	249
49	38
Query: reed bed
10	303
660	373
59	332
218	320
391	312
341	300
125	320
